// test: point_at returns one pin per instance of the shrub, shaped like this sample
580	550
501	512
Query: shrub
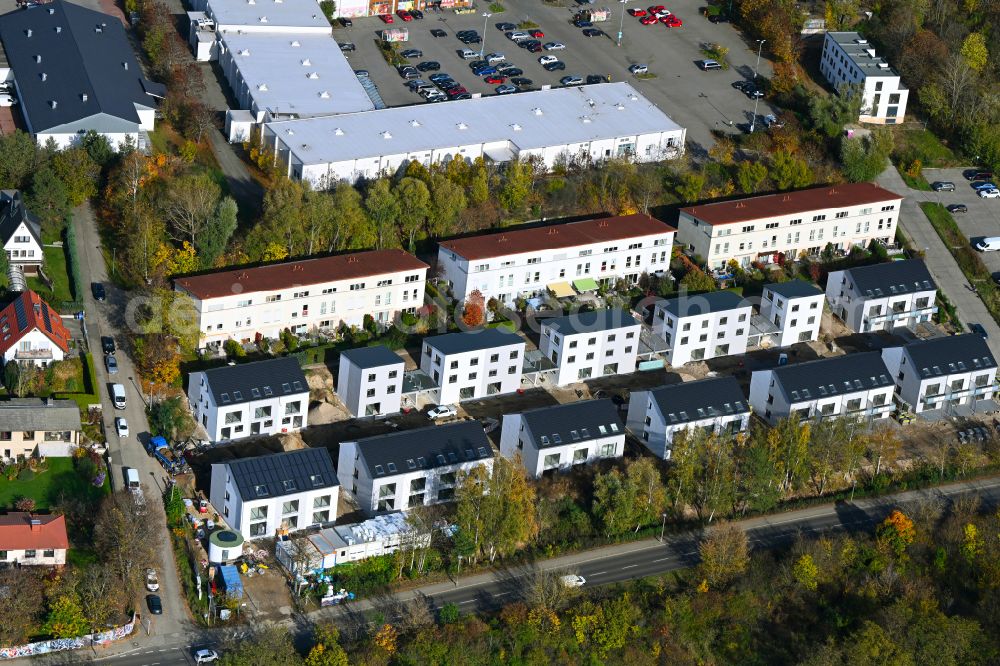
449	613
328	7
25	475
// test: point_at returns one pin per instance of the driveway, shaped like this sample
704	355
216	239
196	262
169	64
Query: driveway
942	266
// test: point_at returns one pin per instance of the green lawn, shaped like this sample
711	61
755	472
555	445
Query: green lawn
46	487
55	268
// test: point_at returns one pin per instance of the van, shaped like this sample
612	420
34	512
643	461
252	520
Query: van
991	244
118	395
132	479
709	64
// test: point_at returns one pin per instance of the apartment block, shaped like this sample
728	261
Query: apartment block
881	297
776	227
855	386
562	436
401	470
473	364
248	304
657	415
848	59
370	381
948	376
795	308
564	258
697	328
591	344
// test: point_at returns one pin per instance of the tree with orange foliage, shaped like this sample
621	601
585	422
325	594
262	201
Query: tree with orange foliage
474	312
897	532
386	639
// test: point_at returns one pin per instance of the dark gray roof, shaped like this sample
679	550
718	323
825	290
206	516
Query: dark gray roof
13	213
424	448
88	65
573	422
235	384
794	289
283	473
484	338
827	377
716	301
950	354
703	399
371	357
892	278
589	322
30	414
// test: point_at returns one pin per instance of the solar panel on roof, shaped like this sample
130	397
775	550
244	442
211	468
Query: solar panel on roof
482	451
22	317
45	318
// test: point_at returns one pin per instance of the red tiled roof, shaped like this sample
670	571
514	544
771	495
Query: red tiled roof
302	272
566	234
789	203
26	313
17	532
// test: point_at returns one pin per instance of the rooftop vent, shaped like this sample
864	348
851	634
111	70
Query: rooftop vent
38	58
536	111
43	76
58	29
262	87
620	106
516	127
244	275
414	123
244	52
125	65
591	103
633	97
553	231
251	2
53	104
27	33
325	94
338	132
602	223
860	41
83	97
296	267
312	75
307	62
386	134
585	119
883	65
52	10
98	29
741	204
786	198
352	260
263	19
295	43
462	126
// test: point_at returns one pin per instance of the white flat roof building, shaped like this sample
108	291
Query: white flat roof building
291	16
586	345
697	328
581	124
849	59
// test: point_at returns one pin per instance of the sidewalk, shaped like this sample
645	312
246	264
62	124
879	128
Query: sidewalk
940	263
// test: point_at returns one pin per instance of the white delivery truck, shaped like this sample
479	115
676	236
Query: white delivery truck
989	244
132	479
118	395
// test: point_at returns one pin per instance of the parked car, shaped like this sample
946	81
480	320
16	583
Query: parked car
346	22
205	656
511	71
416	84
442	411
467	54
495	79
988	185
347	47
546	59
573	580
709	64
107	344
154	604
571	80
638	69
495	58
517	36
429	66
583	23
536	33
438	32
958	208
506	89
417	14
989	194
648	20
470	39
505	27
534	46
361	73
484	70
456	93
637	12
943	186
439	77
152	583
111	363
464	95
597	78
97	289
521	82
405	15
671	21
978	330
555	46
121	427
386	18
558	65
412	53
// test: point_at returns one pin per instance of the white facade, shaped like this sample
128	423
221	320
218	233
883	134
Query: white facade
579	125
854	386
942	373
34	557
790	224
475	364
590	344
697	328
795	308
519	262
412	468
883	296
22	248
847	60
36	348
306	295
370	383
656	416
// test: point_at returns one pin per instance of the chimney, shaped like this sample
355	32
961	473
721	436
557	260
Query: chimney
58	29
27	33
53	104
244	275
44	76
36	524
38	58
125	65
83	97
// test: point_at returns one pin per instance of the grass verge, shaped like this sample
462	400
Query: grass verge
45	487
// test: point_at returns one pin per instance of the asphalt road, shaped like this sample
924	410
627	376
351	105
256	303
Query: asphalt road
600	566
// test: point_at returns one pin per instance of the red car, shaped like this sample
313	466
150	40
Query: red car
647	20
637	12
405	15
457	91
672	21
536	33
494	78
656	9
386	18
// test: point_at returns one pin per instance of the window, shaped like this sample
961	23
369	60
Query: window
29	554
608	450
262	412
258	513
289	507
233	417
551	461
579	456
293	407
316	480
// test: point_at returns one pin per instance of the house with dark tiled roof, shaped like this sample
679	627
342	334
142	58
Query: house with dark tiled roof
587	345
703	326
32	332
32	540
20	232
249	399
795	308
370	380
281	492
473	364
882	297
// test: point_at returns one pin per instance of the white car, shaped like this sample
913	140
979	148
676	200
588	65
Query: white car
517	36
638	69
989	194
152	582
121	427
554	46
468	54
495	58
662	13
442	411
205	656
6	99
546	59
573	580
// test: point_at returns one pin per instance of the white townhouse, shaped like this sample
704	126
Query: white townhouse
370	380
881	297
247	304
854	386
400	470
473	364
697	328
773	227
20	232
524	261
562	436
795	308
31	332
848	59
591	344
250	399
936	376
657	415
287	491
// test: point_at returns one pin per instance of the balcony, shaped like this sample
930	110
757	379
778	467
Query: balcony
33	355
902	314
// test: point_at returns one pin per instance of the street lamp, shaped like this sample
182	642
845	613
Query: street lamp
663	527
621	23
753	121
760	46
482	49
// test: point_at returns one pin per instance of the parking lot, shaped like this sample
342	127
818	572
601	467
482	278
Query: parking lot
983	218
700	101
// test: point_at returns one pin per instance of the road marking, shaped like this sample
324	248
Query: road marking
501	594
599	573
467	601
631	566
663	559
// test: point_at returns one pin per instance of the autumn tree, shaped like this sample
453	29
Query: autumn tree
383	208
884	445
65	618
703	473
188	204
650	493
474	310
327	650
697	280
127	535
751	175
21	604
496	511
266	646
896	532
725	555
449	201
690	186
78	172
788	171
518	177
415	207
615	502
353	229
49	200
19	158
